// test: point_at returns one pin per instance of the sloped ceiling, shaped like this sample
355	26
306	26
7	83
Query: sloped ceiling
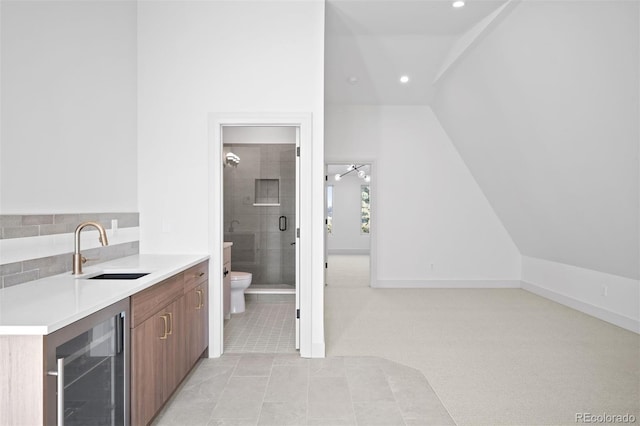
369	44
544	111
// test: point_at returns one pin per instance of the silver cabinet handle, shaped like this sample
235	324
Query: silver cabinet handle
59	373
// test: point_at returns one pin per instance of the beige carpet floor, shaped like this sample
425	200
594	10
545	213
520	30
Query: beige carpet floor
348	271
495	356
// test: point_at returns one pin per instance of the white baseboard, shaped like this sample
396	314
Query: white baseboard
349	251
611	298
589	309
447	284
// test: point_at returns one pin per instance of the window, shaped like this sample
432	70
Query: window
365	211
329	207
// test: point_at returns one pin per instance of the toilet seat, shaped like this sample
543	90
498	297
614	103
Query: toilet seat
237	275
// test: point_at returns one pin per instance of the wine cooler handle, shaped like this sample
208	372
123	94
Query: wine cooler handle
59	373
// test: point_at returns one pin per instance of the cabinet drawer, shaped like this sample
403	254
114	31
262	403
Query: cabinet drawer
196	275
227	255
149	301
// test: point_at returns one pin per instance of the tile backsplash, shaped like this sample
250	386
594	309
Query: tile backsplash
36	231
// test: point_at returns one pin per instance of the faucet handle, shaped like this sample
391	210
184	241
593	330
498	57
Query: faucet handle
85	260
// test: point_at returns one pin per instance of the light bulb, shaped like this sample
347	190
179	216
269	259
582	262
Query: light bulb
404	79
351	167
367	178
337	177
458	4
361	174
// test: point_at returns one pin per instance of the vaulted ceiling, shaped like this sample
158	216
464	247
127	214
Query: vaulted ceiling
370	44
543	106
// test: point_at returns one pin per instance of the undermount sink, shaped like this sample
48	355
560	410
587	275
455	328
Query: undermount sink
119	276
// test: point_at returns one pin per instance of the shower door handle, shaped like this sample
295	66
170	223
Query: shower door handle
282	223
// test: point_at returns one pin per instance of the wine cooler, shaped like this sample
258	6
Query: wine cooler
88	370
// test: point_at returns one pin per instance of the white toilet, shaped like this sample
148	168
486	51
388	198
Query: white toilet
240	281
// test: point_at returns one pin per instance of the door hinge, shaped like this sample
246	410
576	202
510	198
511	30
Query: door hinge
326	221
297	151
326	265
297	313
326	178
298	232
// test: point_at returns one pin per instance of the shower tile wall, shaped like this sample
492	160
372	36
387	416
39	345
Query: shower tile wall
259	246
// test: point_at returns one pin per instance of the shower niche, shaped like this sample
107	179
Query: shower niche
267	193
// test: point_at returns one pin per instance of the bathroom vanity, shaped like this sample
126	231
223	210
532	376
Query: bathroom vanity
158	332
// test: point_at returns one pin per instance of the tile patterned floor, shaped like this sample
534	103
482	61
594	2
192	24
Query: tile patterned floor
266	326
284	389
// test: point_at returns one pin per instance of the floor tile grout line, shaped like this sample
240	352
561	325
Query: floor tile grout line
265	392
224	388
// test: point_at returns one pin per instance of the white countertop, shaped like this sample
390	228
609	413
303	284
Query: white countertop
43	306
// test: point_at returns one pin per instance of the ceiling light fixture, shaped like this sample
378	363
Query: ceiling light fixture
354	168
352	79
231	159
404	79
458	4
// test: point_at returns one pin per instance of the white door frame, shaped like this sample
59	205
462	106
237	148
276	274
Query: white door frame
216	216
373	249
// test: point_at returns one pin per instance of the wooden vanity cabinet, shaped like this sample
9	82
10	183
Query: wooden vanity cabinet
169	333
197	310
147	369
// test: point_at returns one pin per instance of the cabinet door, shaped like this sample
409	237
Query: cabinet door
204	319
148	343
198	329
175	356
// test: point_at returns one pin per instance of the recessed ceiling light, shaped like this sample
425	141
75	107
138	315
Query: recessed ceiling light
458	4
404	79
352	79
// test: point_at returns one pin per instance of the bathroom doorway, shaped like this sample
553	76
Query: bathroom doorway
349	230
260	220
309	334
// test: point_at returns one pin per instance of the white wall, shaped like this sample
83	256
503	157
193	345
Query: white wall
202	57
68	125
428	208
609	297
196	58
259	134
346	236
544	110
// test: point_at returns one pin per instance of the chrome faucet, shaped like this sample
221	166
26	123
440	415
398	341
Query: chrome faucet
231	224
78	259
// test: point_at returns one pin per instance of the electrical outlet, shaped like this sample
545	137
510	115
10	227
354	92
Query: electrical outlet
114	226
605	290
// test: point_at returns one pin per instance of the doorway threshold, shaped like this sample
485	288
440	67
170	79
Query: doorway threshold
270	289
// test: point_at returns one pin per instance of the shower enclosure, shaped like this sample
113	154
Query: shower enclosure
259	212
